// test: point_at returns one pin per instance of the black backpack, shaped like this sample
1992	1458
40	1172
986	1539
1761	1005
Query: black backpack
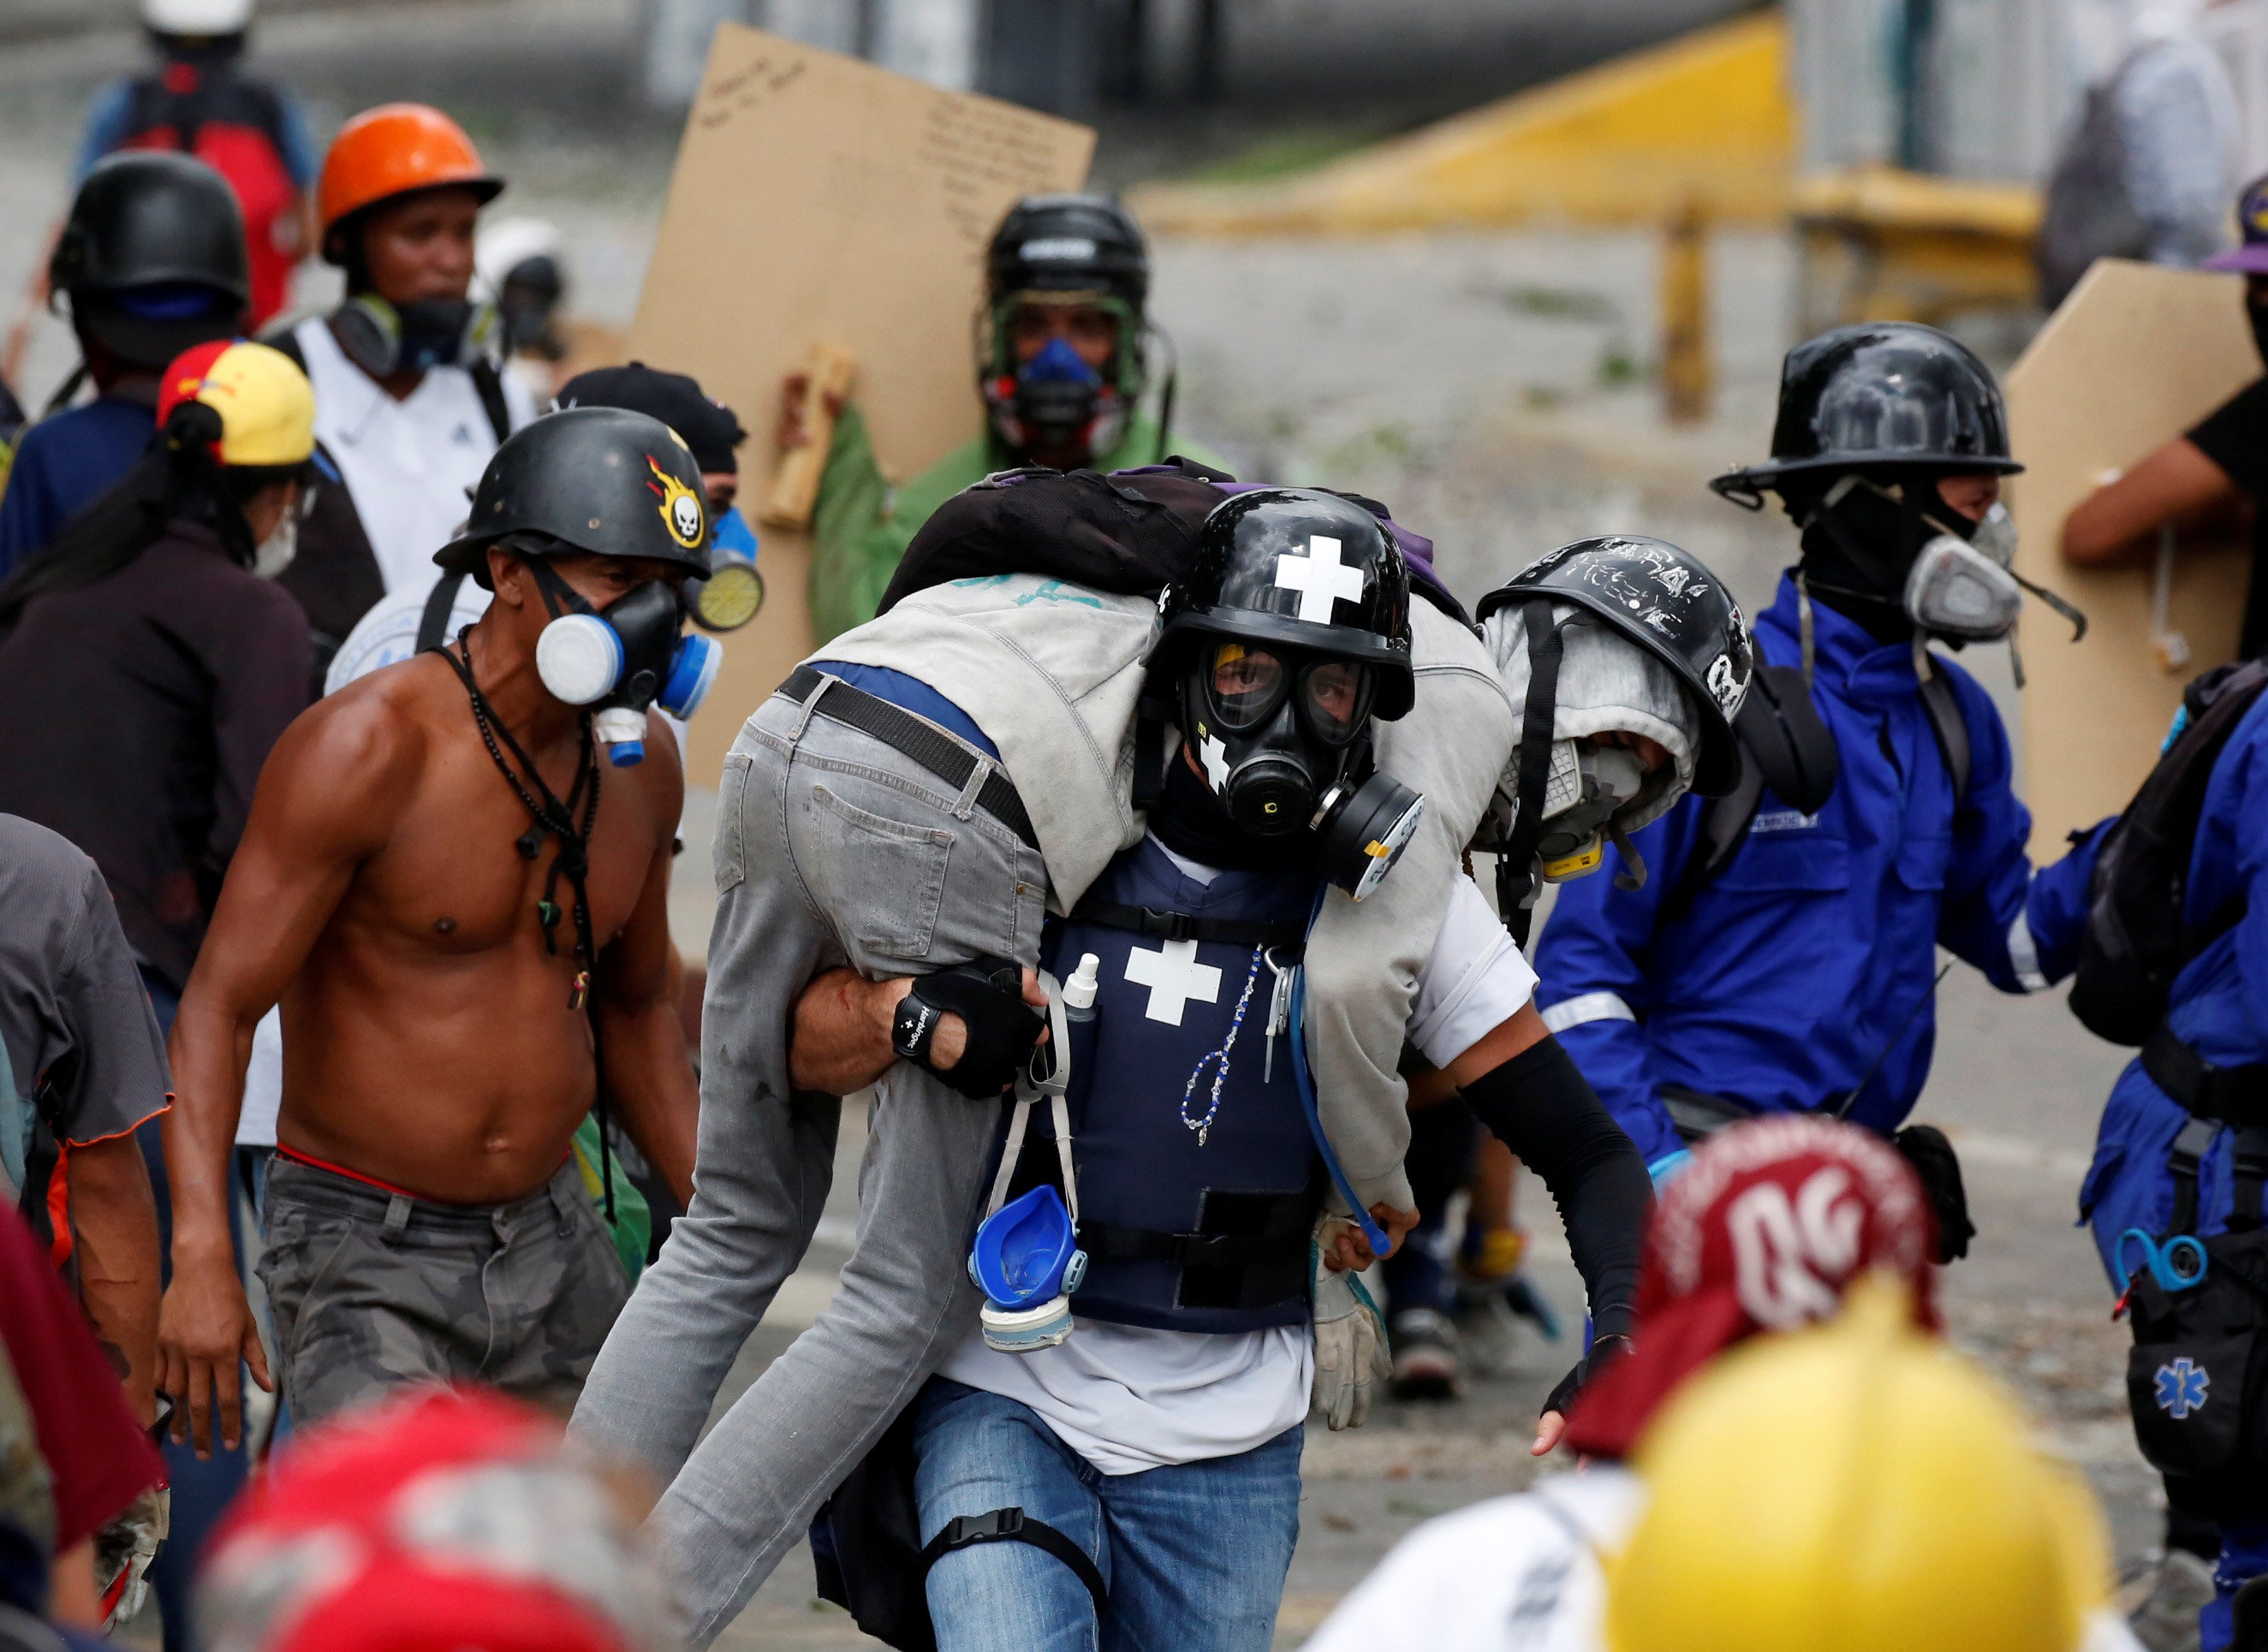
2136	941
1130	535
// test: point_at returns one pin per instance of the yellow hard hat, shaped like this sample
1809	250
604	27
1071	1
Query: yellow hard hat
1854	1487
267	408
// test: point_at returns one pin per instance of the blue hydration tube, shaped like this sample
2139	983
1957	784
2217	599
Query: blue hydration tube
1371	1230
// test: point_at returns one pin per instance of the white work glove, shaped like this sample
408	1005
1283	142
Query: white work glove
1350	1357
123	1550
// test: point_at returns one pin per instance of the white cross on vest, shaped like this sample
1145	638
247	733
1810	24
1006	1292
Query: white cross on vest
1320	579
1173	977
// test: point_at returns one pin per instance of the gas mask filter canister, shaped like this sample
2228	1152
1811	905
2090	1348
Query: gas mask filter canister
622	658
1588	786
1962	588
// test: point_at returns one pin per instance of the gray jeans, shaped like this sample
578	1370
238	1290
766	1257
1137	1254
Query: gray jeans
832	848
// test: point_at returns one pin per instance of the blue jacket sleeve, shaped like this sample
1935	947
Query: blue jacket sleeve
2055	912
1593	960
29	515
301	158
106	124
1988	874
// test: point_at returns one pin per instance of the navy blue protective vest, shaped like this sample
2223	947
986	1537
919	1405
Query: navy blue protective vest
1183	1233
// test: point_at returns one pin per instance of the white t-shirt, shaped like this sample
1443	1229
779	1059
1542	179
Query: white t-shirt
1523	1574
1126	1397
410	465
387	633
1511	1572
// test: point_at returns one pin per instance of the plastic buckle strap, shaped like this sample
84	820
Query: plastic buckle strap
1055	1087
2183	1160
1013	1525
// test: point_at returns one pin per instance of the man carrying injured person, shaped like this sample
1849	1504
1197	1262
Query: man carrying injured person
823	861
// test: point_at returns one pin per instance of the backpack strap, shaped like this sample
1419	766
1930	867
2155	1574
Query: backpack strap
286	340
1942	706
1013	1525
2184	1159
487	384
1786	745
433	624
2247	1174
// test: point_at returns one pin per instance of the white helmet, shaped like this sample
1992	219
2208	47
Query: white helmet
505	245
197	17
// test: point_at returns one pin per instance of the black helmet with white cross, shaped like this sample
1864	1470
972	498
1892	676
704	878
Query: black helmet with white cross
1301	571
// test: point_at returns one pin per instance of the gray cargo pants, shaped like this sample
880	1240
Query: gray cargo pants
832	848
371	1289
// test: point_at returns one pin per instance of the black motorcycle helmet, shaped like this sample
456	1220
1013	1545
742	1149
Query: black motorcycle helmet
1069	244
602	480
1876	395
1301	570
152	255
1667	603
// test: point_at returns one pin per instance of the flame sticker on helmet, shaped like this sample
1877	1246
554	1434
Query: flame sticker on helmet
680	507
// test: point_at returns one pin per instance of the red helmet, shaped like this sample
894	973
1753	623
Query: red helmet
436	1521
1762	1231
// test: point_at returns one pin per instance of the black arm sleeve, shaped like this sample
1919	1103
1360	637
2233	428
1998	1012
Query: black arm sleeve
1544	1110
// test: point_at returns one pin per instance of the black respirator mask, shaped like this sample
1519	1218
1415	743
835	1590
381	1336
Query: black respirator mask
385	338
1284	744
620	659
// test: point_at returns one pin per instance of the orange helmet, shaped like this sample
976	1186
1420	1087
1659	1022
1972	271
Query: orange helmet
392	149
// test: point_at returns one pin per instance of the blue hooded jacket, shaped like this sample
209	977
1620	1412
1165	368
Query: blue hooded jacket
1806	966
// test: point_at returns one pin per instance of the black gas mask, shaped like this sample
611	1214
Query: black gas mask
1283	741
620	659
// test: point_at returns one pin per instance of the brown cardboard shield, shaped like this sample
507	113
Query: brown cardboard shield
2133	357
819	200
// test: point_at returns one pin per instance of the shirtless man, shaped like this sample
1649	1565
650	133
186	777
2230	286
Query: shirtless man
433	950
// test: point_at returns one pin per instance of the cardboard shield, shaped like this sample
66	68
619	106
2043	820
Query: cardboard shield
2133	357
819	200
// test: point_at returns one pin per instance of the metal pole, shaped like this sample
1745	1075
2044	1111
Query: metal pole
1685	352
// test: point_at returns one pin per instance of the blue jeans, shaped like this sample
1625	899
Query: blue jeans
1194	1554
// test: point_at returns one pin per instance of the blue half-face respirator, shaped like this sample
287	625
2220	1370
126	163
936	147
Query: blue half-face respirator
631	655
1026	1257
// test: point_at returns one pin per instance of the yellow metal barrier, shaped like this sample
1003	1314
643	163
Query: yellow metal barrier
1704	119
1877	244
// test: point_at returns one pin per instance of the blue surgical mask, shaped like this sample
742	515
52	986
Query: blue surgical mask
732	536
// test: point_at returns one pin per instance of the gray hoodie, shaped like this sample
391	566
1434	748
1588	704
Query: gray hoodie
1051	673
